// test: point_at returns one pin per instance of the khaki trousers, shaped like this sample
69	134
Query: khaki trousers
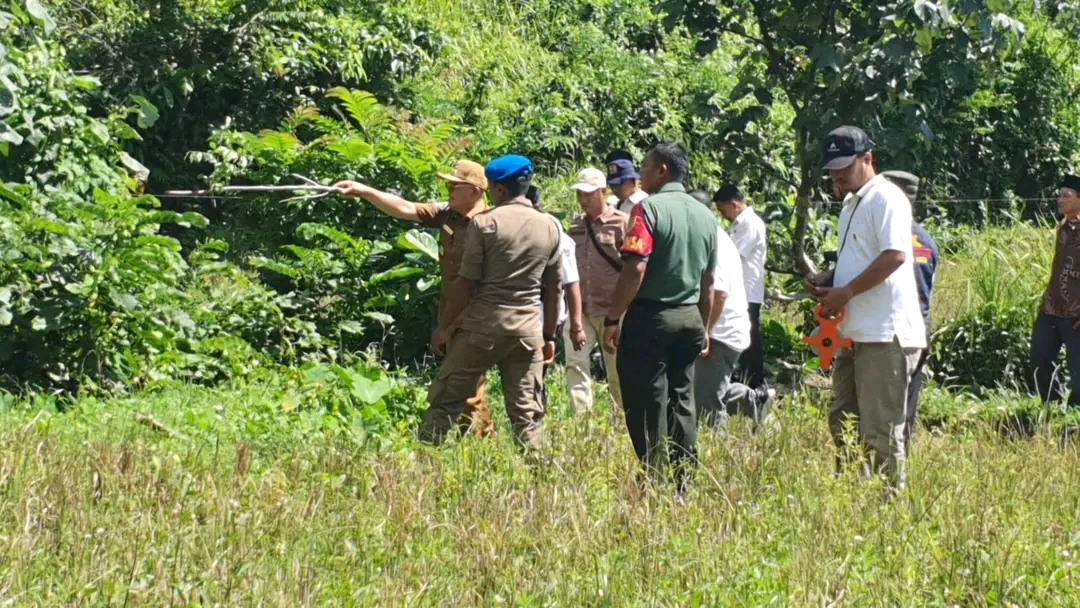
870	383
469	356
578	374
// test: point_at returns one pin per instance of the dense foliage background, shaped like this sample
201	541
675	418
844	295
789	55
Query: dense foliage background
105	103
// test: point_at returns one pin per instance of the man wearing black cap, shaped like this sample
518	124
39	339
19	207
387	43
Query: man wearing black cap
925	250
512	255
665	291
625	184
1058	322
873	285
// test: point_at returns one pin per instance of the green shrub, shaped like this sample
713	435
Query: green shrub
346	267
984	348
92	292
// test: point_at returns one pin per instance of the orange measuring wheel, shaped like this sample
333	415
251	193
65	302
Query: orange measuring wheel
827	337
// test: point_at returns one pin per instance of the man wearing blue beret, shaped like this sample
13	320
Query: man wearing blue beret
512	255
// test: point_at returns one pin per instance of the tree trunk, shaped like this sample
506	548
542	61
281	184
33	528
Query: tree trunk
802	216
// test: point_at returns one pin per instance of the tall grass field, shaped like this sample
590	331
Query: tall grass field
196	497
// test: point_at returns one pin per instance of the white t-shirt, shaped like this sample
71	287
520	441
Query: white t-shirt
748	234
876	220
568	251
628	205
733	327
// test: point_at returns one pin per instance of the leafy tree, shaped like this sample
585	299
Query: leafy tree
194	66
852	62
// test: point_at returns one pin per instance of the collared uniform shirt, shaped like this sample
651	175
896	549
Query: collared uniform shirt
632	201
732	328
748	234
676	235
1062	297
875	220
598	276
452	226
510	251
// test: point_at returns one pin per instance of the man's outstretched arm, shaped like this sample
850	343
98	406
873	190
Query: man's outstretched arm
390	204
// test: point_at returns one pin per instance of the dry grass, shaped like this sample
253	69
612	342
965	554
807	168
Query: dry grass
99	509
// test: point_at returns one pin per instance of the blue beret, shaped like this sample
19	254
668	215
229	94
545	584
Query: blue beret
508	167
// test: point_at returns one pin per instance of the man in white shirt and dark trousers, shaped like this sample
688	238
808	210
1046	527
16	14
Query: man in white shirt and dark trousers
729	336
747	232
874	285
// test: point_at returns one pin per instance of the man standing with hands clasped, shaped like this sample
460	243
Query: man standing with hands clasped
598	235
874	286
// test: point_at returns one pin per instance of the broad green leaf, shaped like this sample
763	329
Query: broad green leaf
318	373
100	131
124	131
351	327
5	316
371	386
9	135
38	324
427	283
88	83
925	39
40	15
134	166
422	242
5	295
13	196
380	317
197	220
352	149
5	19
274	266
126	301
397	272
148	113
277	140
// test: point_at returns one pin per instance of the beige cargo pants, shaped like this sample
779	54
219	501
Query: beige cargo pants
579	373
469	356
870	384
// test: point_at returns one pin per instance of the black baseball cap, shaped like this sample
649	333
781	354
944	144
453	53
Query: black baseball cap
843	145
615	155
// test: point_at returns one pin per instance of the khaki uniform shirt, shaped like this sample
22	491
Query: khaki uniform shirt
597	276
1062	298
452	226
510	251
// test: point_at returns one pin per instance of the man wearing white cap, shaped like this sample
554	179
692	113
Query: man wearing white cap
598	235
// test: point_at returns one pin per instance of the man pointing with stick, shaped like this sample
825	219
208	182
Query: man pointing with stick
467	185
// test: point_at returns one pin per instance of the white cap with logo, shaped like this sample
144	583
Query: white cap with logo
590	180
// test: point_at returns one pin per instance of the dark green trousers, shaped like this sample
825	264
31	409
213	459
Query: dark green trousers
657	349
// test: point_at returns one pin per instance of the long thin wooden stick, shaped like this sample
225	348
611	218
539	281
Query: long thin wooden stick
212	191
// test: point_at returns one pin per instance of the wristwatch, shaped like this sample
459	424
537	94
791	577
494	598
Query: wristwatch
610	323
549	338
